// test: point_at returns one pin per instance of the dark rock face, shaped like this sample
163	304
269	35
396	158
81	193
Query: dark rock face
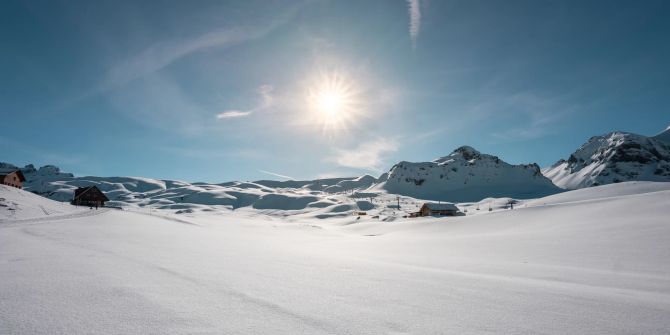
469	153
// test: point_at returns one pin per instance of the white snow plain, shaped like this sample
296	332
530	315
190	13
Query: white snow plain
590	261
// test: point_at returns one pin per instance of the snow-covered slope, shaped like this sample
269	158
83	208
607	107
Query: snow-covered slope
613	158
466	175
591	261
16	204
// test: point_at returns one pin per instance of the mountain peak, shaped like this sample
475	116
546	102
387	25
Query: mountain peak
465	152
468	152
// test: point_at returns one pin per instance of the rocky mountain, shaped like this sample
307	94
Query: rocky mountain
466	175
613	158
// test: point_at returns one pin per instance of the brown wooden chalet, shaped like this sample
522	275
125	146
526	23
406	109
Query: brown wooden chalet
432	209
12	178
89	196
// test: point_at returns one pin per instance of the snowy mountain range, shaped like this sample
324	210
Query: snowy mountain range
613	158
465	175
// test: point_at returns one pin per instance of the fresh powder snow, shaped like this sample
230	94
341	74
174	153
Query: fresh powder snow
592	261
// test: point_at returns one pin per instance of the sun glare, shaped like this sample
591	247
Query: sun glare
332	101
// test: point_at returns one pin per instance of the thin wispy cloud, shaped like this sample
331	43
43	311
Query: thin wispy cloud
163	53
275	174
231	114
540	115
266	101
368	156
267	98
160	101
414	10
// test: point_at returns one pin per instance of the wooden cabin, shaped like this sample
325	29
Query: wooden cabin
438	209
12	178
89	196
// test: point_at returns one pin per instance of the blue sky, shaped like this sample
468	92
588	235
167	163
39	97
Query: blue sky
216	91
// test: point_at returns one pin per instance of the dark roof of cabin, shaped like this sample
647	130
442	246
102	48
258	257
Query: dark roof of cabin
4	172
441	206
93	190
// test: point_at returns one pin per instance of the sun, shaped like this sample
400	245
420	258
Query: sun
330	102
333	101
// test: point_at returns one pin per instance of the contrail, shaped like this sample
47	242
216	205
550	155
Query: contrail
275	174
414	10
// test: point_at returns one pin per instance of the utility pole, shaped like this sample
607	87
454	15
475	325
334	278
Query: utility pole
398	197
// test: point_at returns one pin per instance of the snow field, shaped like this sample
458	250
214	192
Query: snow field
569	263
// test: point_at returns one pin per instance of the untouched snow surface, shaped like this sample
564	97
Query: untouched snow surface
591	261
